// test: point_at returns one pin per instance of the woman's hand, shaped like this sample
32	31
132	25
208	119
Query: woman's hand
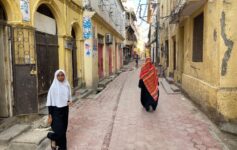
50	119
70	103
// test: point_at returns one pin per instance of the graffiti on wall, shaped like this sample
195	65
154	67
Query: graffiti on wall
87	28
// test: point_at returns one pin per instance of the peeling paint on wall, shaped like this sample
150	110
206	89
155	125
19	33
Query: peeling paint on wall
229	44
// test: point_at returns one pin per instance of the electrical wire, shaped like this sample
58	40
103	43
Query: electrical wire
143	14
138	6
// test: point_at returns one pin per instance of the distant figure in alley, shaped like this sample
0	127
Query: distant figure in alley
58	100
149	85
136	59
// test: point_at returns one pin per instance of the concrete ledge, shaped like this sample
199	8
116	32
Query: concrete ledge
166	86
170	80
104	82
174	88
229	127
87	93
7	135
99	89
3	147
74	98
31	140
82	91
119	72
8	122
169	88
22	146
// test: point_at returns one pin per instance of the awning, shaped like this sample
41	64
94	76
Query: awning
185	9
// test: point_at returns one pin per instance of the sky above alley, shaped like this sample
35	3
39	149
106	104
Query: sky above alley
142	25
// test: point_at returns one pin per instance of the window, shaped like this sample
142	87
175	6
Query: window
198	38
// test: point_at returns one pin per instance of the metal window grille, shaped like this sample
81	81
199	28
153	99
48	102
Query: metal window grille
24	45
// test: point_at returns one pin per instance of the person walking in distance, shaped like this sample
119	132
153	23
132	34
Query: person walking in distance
149	85
136	60
58	100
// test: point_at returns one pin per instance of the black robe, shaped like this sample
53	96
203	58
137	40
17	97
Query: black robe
146	98
59	126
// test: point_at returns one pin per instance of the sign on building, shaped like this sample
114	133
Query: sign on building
25	10
87	28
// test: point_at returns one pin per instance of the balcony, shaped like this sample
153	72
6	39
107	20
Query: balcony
185	8
191	6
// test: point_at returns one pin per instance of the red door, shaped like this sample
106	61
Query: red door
100	61
110	60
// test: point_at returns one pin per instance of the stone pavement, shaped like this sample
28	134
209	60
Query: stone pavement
115	120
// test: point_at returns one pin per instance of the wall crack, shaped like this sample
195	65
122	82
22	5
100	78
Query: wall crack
229	44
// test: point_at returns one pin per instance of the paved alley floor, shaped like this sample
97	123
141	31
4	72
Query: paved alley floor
114	119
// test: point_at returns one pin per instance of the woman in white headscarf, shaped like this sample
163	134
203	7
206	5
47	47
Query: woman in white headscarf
58	100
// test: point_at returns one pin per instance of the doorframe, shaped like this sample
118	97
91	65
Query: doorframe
75	78
100	62
32	65
8	73
174	53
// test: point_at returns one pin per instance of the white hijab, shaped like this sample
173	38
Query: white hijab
60	92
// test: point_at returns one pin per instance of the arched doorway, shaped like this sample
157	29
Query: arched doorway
74	59
46	49
4	111
3	16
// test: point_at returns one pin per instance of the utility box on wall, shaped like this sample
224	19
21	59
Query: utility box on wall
108	38
68	44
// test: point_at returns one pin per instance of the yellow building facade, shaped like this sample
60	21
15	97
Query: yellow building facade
38	37
43	36
105	56
198	45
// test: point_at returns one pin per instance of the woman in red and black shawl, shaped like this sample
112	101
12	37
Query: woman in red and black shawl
149	85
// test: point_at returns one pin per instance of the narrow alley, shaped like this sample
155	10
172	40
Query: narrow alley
71	72
115	120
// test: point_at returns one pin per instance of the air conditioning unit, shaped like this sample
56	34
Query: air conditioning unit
108	39
121	46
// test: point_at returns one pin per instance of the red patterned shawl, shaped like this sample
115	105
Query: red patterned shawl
149	76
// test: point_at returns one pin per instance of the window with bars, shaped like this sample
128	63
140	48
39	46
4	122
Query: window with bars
198	23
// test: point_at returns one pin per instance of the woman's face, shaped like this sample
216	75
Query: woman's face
61	76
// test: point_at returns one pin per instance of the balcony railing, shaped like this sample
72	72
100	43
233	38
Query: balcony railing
185	8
